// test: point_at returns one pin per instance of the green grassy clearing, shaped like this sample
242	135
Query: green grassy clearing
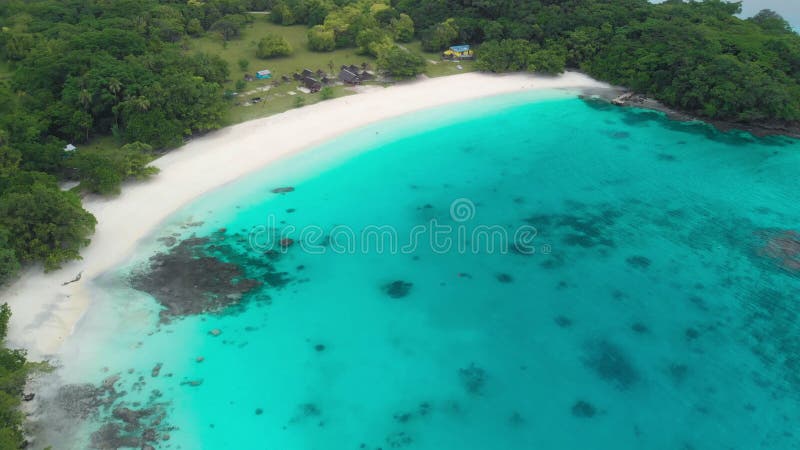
277	99
435	66
301	58
100	144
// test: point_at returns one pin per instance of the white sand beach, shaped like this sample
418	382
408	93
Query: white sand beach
45	312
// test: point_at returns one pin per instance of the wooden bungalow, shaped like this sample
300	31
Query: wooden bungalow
349	77
307	73
297	76
312	84
364	75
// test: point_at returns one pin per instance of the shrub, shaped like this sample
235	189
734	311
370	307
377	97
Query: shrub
321	40
273	45
400	62
507	55
547	61
326	93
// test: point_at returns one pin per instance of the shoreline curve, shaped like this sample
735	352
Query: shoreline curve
45	312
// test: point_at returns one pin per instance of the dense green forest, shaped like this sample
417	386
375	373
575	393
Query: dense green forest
695	56
74	70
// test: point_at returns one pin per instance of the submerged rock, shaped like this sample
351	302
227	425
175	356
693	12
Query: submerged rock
111	436
130	416
80	400
782	247
397	289
563	322
473	378
583	409
638	261
399	439
306	411
610	363
283	190
516	419
504	278
168	241
588	229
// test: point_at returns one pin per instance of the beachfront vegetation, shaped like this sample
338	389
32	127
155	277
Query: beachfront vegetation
13	372
399	62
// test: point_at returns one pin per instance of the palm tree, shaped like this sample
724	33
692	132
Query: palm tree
140	23
85	98
114	86
142	103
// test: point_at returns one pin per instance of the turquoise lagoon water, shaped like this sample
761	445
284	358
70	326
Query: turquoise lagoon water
649	314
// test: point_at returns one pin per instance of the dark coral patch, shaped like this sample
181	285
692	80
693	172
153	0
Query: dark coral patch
504	278
691	334
678	372
187	281
610	363
638	262
583	409
587	230
666	157
782	247
473	378
563	322
398	289
620	134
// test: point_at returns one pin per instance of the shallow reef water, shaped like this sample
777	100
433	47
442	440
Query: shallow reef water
635	285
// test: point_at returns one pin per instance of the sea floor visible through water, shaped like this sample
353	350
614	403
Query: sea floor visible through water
598	278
